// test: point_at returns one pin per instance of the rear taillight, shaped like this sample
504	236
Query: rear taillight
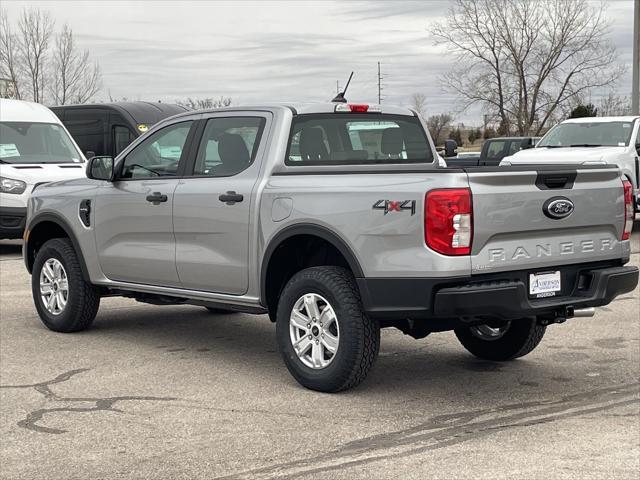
628	209
448	221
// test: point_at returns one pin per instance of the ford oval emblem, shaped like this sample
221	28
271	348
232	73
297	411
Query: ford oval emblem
558	207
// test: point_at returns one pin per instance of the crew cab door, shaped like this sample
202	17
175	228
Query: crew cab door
134	214
212	203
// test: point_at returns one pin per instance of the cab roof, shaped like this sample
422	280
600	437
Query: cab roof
309	108
626	118
21	111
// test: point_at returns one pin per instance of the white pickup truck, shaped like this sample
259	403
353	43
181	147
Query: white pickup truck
590	141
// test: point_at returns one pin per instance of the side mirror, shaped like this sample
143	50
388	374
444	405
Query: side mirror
100	168
450	148
89	154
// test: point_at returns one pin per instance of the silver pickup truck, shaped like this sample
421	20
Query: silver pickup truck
336	221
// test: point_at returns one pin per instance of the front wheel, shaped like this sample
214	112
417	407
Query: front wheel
502	342
327	342
64	300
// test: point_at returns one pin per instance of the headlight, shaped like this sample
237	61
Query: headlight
9	185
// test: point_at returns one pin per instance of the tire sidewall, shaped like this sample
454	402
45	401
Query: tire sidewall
62	321
338	370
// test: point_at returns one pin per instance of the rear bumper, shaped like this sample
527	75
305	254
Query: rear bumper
497	296
12	221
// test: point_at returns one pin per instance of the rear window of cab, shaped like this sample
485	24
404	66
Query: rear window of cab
357	139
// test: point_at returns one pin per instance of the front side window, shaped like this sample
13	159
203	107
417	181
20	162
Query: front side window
588	134
159	155
357	139
228	146
27	142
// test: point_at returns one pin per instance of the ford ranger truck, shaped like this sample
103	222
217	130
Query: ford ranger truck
336	220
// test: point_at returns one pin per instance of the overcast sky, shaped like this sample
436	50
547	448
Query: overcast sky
275	51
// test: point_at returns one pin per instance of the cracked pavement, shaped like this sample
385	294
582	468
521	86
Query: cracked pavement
180	393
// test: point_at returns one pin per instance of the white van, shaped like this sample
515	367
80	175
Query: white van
35	148
590	140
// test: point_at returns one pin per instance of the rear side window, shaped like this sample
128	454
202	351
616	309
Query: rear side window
228	146
357	139
514	147
495	149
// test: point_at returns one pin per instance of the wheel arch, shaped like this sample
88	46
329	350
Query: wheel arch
44	227
308	230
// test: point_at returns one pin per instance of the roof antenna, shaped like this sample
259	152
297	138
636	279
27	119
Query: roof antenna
340	97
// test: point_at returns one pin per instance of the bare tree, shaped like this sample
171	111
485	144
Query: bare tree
36	28
522	59
10	68
419	103
76	79
436	125
614	105
202	103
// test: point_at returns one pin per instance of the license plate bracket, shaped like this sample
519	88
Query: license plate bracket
545	284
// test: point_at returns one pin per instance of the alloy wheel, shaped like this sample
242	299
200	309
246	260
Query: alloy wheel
314	331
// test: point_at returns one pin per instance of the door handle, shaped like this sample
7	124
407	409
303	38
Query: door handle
231	198
156	198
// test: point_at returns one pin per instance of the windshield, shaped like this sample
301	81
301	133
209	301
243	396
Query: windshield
26	142
592	134
357	139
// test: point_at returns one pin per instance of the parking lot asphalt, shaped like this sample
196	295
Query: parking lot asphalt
180	393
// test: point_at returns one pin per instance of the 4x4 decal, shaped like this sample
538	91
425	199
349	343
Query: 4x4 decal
389	206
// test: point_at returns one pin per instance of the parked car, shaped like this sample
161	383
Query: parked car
35	149
493	151
278	210
590	140
108	128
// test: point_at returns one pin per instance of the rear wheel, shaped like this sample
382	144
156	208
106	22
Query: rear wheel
327	342
64	300
502	342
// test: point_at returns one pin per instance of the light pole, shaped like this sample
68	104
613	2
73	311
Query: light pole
635	88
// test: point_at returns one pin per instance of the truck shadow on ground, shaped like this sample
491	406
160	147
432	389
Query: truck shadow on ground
436	365
10	249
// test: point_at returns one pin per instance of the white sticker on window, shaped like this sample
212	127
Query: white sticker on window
626	125
622	144
9	150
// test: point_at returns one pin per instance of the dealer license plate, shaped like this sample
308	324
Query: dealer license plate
545	284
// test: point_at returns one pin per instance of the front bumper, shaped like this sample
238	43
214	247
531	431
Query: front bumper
494	296
12	222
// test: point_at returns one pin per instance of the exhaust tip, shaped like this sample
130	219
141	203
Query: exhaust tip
584	312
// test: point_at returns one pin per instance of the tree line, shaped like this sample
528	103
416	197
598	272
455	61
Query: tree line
527	63
45	65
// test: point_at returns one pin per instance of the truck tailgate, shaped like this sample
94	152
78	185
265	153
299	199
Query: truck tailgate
514	230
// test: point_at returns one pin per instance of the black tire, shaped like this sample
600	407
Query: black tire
83	298
359	339
220	311
520	338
